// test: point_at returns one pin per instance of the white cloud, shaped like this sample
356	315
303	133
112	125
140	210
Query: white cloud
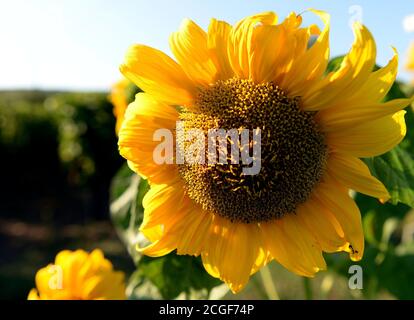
408	23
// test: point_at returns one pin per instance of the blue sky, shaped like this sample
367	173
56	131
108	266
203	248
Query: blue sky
78	44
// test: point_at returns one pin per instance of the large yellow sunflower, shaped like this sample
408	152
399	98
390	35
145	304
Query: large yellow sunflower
315	127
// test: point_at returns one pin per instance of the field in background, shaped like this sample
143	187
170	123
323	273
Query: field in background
58	156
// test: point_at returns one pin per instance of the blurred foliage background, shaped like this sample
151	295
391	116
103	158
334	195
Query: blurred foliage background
64	186
58	156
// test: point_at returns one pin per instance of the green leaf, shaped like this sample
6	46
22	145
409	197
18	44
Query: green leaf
395	92
127	192
396	274
131	91
396	170
141	288
174	274
334	64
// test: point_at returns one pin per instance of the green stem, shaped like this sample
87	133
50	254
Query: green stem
308	289
268	283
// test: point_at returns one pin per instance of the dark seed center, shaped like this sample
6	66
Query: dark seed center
293	152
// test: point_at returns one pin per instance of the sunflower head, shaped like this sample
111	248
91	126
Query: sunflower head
269	78
78	275
293	152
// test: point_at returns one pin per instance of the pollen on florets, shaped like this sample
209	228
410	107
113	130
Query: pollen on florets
293	152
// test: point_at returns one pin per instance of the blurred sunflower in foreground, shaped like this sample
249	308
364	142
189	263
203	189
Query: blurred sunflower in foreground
77	275
314	128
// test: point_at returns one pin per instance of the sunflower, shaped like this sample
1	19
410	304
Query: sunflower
119	99
314	127
77	275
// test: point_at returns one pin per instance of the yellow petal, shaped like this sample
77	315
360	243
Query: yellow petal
352	115
94	264
353	73
269	52
292	21
371	139
70	263
217	42
293	246
354	174
189	46
322	224
311	64
167	211
362	56
225	255
275	240
136	137
240	42
159	248
379	83
194	232
99	262
163	204
187	231
53	283
104	286
33	295
374	89
157	74
305	241
43	280
335	198
262	259
295	42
